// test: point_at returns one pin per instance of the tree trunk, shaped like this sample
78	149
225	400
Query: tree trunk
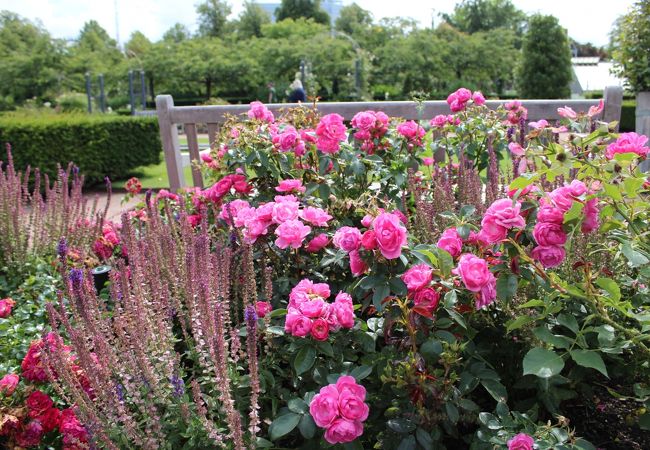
151	91
208	87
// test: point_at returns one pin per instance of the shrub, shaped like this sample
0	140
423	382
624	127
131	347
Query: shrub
628	115
100	145
72	102
631	39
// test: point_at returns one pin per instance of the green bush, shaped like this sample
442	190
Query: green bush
628	115
72	102
100	145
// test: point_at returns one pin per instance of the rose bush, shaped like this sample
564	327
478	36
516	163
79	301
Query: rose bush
480	292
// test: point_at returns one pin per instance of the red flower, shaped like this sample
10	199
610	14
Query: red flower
38	402
50	419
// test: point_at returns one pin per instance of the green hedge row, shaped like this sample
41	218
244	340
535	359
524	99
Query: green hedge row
100	145
628	115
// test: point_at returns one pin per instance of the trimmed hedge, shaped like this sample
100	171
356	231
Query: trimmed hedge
100	145
628	115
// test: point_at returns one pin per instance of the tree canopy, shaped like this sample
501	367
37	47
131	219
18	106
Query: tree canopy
295	9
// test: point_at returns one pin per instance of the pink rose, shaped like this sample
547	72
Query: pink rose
410	130
595	110
330	132
628	143
478	98
284	211
357	265
439	121
463	95
264	212
590	222
427	298
562	198
364	120
50	419
315	216
317	243
6	305
473	271
287	140
576	188
342	430
72	430
367	220
344	310
313	308
401	216
352	407
260	112
540	124
547	234
506	213
551	256
320	330
516	149
347	239
290	186
451	242
301	326
8	384
488	293
550	214
567	112
521	442
307	290
369	240
427	161
324	407
417	277
229	210
391	235
291	233
348	382
262	309
491	231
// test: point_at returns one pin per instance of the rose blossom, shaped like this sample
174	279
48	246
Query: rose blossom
290	186
320	330
30	435
287	140
550	214
330	132
628	143
357	265
72	430
507	213
488	293
347	239
291	233
478	98
391	235
567	112
307	290
427	298
342	430
521	442
343	309
8	384
324	407
284	211
439	121
260	112
410	130
417	277
38	402
300	326
473	271
6	304
450	242
590	222
551	256
315	216
367	220
352	407
50	419
317	243
230	210
364	120
369	240
547	234
262	309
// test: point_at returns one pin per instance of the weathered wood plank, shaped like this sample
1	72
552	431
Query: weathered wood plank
213	129
195	158
613	99
169	139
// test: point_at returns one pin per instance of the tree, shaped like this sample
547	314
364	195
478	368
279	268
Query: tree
631	46
352	18
137	45
251	20
31	60
177	33
213	17
545	70
471	16
295	9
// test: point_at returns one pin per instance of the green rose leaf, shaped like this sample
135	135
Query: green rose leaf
304	359
283	425
589	358
542	363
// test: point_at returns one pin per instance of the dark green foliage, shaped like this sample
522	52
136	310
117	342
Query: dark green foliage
99	145
295	9
213	17
471	16
545	70
631	46
628	116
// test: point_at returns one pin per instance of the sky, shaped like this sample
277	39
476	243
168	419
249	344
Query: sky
585	20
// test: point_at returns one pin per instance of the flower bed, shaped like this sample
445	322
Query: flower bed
342	287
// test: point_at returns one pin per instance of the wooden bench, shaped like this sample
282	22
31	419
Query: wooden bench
170	116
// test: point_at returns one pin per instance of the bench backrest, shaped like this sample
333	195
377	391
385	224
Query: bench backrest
170	116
